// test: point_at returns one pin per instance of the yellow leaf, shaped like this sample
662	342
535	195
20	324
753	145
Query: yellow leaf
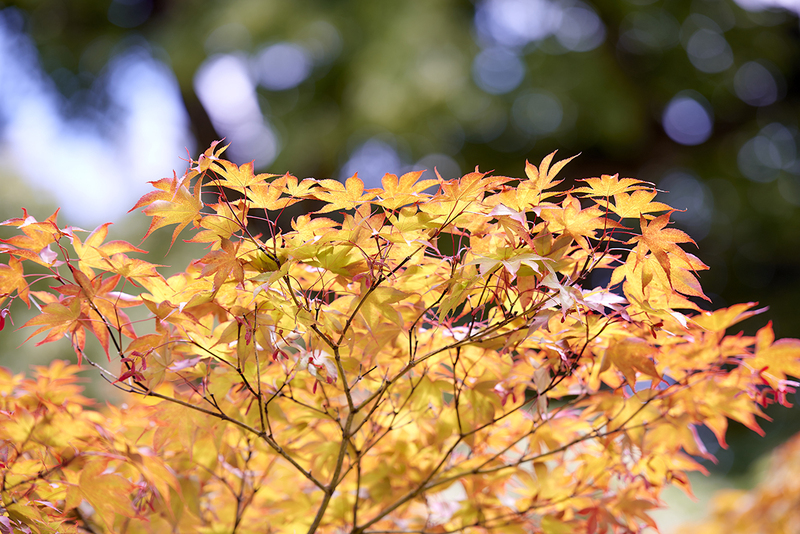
631	355
172	203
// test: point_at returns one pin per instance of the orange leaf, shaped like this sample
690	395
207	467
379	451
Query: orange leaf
131	268
779	359
171	204
662	242
639	202
239	178
339	196
631	355
379	303
608	186
92	253
405	190
59	319
571	220
35	244
12	278
720	320
108	493
228	219
209	159
223	263
268	196
542	178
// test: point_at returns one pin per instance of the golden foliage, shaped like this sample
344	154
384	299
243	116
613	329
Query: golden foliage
427	357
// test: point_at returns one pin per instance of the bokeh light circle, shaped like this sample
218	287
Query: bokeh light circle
755	85
762	158
282	66
537	112
709	51
688	121
498	70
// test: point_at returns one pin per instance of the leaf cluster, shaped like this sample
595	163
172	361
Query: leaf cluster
424	357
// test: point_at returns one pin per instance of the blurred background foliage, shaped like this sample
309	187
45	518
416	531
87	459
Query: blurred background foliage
700	97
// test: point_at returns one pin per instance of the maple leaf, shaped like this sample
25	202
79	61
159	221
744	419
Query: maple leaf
340	196
12	278
61	318
108	493
239	178
223	263
662	242
173	203
512	262
35	244
720	320
775	359
130	268
303	189
93	254
228	219
637	203
408	189
571	220
472	186
310	233
269	195
542	178
100	307
608	186
631	355
209	159
514	223
649	273
379	304
461	196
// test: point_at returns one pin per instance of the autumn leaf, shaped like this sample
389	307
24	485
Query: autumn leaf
607	186
59	319
298	190
571	220
223	264
35	244
269	196
775	360
12	278
108	493
131	268
172	203
720	320
649	273
629	356
378	303
210	158
239	178
340	196
228	219
408	189
630	206
542	178
93	254
662	242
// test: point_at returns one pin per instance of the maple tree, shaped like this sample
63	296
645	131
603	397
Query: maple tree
425	357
